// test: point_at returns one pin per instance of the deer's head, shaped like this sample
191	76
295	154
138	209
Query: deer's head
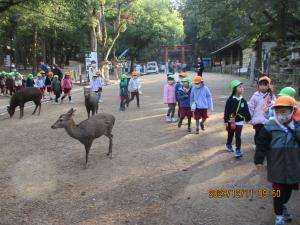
63	119
11	110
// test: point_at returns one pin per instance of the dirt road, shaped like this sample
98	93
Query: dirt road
160	174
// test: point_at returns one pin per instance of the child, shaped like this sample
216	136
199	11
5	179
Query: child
56	88
101	84
236	112
184	100
10	83
177	87
96	85
18	82
279	142
66	87
260	99
200	102
40	84
30	81
123	91
170	98
287	91
2	82
134	87
48	81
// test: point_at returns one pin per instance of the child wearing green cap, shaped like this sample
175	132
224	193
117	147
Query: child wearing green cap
286	91
184	93
9	83
2	82
170	98
56	88
123	91
235	114
29	81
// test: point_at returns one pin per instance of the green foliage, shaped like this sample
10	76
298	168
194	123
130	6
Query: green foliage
155	23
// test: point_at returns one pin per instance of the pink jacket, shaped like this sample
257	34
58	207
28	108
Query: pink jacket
256	107
169	94
66	84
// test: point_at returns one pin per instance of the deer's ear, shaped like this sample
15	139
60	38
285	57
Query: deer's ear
70	111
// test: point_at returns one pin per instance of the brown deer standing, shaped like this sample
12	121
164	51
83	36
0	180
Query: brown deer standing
87	130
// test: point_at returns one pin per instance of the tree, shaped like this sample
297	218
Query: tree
155	23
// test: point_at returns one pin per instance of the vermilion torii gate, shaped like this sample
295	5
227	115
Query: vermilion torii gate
177	48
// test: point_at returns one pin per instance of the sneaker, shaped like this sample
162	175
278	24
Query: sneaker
254	147
100	101
189	130
238	153
202	126
174	120
168	119
286	214
197	131
71	102
279	220
229	148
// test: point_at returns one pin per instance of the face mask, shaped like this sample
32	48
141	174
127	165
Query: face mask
198	85
284	118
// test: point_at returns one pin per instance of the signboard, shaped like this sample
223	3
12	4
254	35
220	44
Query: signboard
89	57
7	61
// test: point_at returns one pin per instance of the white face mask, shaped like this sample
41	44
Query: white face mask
284	118
198	85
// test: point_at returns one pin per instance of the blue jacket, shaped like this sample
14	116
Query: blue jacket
177	87
202	97
184	97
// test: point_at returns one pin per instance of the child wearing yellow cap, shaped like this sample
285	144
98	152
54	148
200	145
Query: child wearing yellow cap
200	101
261	99
279	142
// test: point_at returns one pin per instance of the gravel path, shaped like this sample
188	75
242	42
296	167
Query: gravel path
160	174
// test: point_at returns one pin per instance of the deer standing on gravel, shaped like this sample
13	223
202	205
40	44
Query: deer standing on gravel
87	130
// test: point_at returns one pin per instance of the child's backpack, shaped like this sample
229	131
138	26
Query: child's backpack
67	83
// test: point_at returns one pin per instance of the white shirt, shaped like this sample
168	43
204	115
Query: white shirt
134	85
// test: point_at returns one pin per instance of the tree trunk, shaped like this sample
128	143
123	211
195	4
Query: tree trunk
281	21
34	58
93	39
43	42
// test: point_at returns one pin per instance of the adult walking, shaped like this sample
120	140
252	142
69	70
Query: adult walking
57	71
199	66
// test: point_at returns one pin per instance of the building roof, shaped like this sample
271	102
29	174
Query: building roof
227	46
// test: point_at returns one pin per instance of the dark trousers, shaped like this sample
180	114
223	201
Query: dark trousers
199	73
171	110
237	132
278	202
57	95
257	128
134	94
124	100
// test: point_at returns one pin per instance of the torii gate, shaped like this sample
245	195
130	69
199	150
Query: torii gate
177	48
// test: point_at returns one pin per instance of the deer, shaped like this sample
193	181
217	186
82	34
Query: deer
23	96
87	130
91	103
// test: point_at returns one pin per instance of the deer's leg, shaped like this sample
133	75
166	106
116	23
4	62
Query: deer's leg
36	105
110	136
21	111
87	150
40	106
